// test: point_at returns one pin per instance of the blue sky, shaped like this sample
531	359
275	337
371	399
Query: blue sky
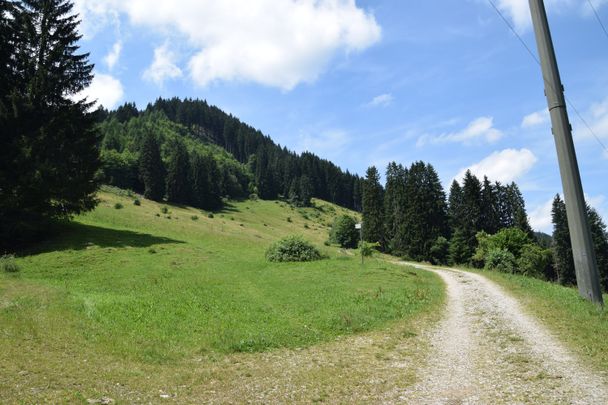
363	83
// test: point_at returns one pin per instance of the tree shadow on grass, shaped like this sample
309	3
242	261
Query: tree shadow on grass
228	208
77	236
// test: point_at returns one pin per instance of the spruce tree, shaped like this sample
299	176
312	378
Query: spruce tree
518	209
199	178
471	212
151	169
490	222
562	248
394	202
455	215
178	173
372	201
600	243
214	201
306	190
49	142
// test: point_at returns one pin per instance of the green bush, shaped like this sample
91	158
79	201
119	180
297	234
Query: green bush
136	202
7	264
164	210
440	251
194	217
118	206
367	249
292	249
535	262
210	215
500	260
343	232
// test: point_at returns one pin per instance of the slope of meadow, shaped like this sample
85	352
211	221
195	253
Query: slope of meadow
137	285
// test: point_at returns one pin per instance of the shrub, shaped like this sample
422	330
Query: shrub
367	248
440	251
7	264
535	262
210	215
292	249
306	226
118	206
500	260
194	217
288	219
136	202
164	210
343	232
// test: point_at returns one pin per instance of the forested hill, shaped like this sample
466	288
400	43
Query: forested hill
266	168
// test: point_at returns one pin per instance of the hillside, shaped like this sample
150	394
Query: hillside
135	290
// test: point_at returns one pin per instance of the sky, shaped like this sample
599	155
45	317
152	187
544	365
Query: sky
367	82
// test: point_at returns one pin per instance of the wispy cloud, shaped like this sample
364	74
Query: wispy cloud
481	129
329	143
163	67
114	55
535	119
383	100
105	89
540	216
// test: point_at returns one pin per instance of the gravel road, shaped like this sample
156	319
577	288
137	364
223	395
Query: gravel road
486	350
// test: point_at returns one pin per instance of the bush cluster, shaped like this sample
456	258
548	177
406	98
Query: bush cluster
343	232
292	249
7	264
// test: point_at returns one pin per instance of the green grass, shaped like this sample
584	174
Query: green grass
577	322
154	286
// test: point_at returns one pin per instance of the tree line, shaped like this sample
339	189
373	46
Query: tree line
480	223
277	171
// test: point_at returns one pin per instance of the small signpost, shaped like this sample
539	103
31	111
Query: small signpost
358	226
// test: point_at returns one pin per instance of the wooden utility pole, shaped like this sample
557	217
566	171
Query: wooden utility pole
585	264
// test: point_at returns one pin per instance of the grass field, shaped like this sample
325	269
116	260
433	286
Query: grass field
578	323
122	291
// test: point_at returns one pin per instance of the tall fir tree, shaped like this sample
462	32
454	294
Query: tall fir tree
455	214
394	202
490	221
600	243
50	140
471	212
151	169
372	201
562	248
178	183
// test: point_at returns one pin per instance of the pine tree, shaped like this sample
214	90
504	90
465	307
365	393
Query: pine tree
199	177
151	169
600	243
372	201
471	212
178	173
490	222
455	214
214	201
562	248
394	201
518	208
306	191
50	140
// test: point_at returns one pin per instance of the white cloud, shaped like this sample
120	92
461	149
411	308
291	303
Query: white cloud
327	144
519	10
535	119
163	66
112	57
383	100
481	128
540	217
505	166
278	43
106	89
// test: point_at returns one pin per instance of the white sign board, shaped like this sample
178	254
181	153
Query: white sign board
357	226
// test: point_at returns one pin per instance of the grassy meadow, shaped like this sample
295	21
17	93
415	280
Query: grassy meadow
128	288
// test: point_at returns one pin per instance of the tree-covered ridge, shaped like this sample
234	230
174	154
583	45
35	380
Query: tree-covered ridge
276	170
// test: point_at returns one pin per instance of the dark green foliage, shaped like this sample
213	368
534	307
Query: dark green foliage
562	249
440	251
543	240
210	215
500	260
367	249
151	168
343	232
120	169
194	217
394	204
600	243
424	214
459	249
292	249
373	216
536	262
118	206
136	202
49	153
178	182
490	220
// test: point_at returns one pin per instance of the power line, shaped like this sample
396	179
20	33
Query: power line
597	16
533	55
